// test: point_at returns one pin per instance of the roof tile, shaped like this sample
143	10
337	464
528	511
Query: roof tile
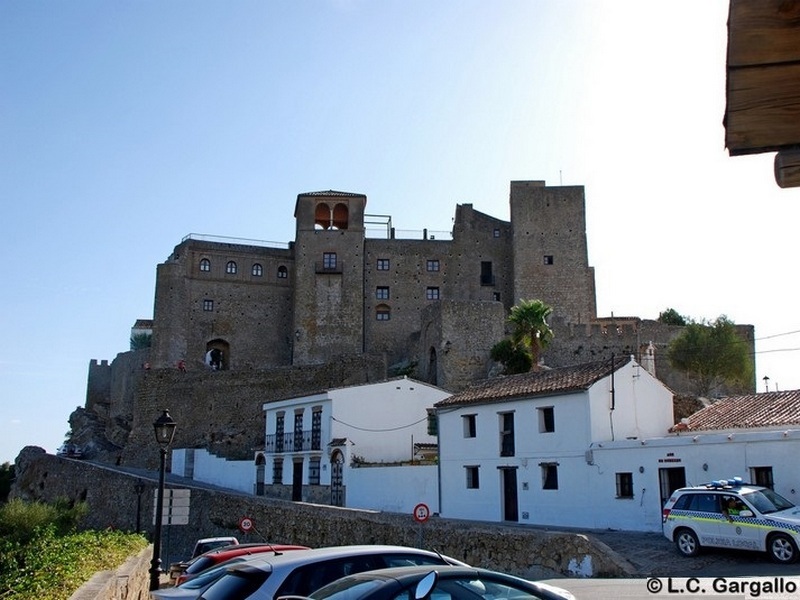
768	409
535	383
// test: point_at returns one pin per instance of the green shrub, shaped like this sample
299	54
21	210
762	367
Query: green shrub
48	560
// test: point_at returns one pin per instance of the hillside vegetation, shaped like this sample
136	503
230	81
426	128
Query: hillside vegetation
44	557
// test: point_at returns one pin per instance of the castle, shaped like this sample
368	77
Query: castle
337	292
237	323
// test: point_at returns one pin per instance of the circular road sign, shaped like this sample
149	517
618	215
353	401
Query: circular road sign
246	524
421	512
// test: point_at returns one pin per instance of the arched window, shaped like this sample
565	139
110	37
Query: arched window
231	268
205	265
283	272
257	270
383	312
322	216
340	216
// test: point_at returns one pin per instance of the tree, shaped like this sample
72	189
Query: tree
672	317
140	341
513	358
532	332
7	473
712	354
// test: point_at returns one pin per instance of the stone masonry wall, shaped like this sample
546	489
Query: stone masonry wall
221	411
112	502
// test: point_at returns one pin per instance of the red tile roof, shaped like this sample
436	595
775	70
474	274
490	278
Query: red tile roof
769	409
536	383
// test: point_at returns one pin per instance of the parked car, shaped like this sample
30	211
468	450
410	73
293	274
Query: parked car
417	582
201	546
302	572
192	589
214	557
732	514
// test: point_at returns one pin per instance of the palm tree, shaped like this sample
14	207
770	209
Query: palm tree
529	318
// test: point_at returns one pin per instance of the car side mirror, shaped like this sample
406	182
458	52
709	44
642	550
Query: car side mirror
425	585
745	513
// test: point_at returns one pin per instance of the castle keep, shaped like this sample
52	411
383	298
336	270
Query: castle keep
335	291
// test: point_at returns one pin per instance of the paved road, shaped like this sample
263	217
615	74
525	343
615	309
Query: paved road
653	555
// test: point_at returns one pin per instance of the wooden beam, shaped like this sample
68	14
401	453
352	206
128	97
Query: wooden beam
787	168
763	32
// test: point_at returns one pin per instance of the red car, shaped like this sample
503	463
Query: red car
214	557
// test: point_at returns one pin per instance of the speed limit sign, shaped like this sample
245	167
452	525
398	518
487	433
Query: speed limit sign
246	524
421	513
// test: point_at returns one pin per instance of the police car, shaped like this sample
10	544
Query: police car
731	514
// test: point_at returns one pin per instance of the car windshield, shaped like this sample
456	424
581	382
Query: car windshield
766	501
209	575
346	589
235	585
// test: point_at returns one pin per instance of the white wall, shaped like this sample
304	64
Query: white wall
642	405
237	475
393	489
381	419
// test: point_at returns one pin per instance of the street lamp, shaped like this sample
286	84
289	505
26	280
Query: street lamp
165	430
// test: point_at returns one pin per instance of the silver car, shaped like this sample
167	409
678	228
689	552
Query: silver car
301	572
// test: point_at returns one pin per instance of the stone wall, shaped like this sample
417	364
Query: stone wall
221	411
131	581
112	502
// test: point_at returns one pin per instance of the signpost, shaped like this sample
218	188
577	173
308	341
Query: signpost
421	514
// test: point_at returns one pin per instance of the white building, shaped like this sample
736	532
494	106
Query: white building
317	445
590	446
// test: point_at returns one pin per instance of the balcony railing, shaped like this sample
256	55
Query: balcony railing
310	439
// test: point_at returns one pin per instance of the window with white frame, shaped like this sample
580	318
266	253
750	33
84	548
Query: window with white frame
470	428
624	485
549	476
547	421
313	470
473	480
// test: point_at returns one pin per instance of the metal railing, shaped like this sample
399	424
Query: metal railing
310	439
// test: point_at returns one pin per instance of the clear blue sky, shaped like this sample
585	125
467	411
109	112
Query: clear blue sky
127	125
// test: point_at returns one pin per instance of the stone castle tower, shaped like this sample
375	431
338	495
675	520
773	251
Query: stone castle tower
335	291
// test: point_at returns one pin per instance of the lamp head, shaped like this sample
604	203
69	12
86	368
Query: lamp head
165	429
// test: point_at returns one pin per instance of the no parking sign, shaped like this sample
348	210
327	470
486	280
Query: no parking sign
421	512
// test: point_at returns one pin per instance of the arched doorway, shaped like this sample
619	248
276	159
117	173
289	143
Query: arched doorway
217	356
337	487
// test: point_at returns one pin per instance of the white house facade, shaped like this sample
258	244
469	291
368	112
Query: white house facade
313	443
593	446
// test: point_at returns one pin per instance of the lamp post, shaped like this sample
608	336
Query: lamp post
165	430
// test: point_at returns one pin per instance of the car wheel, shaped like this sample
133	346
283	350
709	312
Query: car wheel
686	542
782	548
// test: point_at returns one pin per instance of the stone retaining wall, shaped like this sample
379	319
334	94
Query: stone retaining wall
131	581
521	550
